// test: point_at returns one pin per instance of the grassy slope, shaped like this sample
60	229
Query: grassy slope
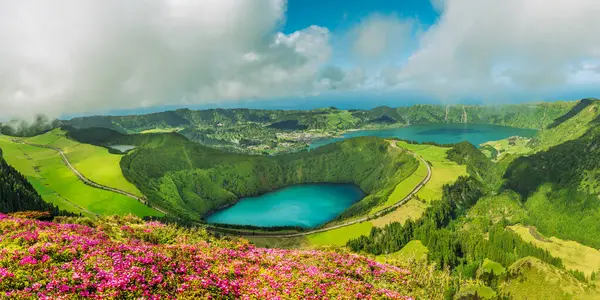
504	147
570	129
490	266
485	292
443	171
414	250
58	185
534	279
96	163
565	214
494	208
574	255
340	236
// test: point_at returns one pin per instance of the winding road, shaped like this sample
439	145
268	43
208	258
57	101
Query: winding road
363	219
89	181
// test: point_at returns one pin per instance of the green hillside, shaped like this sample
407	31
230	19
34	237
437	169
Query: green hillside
530	278
190	180
17	194
57	184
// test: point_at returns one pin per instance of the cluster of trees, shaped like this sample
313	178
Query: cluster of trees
17	194
441	230
453	242
192	180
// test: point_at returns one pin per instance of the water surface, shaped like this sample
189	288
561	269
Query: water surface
122	148
304	205
439	133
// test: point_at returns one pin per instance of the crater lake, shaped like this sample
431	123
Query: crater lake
302	205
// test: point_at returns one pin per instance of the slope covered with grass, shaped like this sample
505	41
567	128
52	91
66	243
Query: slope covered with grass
530	278
58	185
17	194
95	162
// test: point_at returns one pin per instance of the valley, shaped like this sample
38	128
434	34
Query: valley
421	196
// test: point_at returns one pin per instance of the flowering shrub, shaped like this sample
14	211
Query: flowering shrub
154	261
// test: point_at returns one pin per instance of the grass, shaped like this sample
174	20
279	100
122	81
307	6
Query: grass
504	147
340	236
484	292
94	162
161	130
574	255
282	243
413	251
491	266
58	185
443	171
571	129
538	280
413	209
495	208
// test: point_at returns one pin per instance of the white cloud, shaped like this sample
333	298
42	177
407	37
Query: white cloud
336	78
380	36
69	56
486	47
438	5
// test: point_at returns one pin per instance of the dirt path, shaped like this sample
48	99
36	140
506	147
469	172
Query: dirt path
363	219
89	181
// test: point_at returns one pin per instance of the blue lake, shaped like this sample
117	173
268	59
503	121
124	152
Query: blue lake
304	205
122	148
439	133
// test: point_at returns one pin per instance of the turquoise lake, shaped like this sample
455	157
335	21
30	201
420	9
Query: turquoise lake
303	205
310	205
439	133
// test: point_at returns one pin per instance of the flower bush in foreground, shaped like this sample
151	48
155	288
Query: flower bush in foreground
127	258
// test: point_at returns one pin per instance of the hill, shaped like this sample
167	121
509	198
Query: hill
530	278
58	184
191	180
17	194
126	258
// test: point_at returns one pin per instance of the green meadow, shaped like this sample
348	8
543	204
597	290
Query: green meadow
57	184
96	163
443	171
413	250
340	236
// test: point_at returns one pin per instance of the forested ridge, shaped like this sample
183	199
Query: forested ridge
261	131
536	115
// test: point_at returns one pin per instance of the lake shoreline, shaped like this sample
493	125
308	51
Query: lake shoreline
322	189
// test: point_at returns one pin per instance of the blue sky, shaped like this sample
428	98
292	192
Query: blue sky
72	58
341	15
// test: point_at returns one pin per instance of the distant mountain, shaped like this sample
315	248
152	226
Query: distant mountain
232	128
538	115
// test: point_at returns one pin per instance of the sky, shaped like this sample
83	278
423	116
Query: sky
73	57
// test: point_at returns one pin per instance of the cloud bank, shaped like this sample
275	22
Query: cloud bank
73	56
486	48
77	56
